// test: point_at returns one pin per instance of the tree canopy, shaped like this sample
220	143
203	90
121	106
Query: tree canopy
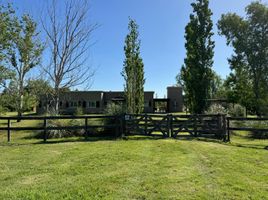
196	74
133	71
249	62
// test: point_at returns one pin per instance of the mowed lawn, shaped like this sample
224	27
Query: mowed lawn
137	168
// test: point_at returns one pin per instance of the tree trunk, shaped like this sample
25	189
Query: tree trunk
20	109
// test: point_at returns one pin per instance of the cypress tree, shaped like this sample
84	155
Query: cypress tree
133	71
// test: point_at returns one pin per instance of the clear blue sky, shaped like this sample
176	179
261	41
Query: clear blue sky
161	27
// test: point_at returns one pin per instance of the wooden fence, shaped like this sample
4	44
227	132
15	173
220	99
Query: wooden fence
45	127
214	126
177	125
231	127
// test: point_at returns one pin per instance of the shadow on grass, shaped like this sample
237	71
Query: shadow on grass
231	144
24	141
250	146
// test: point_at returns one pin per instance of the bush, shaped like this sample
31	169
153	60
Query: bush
79	111
62	133
113	110
216	109
2	110
237	111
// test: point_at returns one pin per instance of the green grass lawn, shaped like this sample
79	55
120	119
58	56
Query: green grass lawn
135	168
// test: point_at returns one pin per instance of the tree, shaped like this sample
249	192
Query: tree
39	89
196	74
24	54
217	87
69	42
133	71
6	24
249	63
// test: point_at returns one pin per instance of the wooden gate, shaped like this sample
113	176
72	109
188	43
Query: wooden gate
150	125
213	126
198	126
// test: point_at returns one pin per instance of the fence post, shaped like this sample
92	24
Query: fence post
123	125
146	124
117	126
86	128
195	125
8	130
171	125
224	127
228	131
45	129
220	126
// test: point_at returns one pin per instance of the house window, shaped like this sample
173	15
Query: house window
79	103
60	103
97	104
92	104
67	104
75	104
84	104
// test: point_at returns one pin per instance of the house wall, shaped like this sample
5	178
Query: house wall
174	94
90	101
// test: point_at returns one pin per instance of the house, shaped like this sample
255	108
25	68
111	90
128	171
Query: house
96	101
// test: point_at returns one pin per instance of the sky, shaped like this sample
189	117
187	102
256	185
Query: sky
161	27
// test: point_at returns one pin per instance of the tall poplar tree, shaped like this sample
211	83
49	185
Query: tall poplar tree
197	74
133	71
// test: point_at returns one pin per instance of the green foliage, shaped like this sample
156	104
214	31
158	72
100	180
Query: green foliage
64	133
38	88
218	91
115	109
133	71
24	54
248	37
6	27
196	75
20	51
79	111
216	109
3	109
237	111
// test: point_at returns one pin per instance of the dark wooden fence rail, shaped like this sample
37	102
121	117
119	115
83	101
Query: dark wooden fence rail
217	126
117	125
177	125
241	119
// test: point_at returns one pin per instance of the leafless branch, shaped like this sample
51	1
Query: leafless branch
69	35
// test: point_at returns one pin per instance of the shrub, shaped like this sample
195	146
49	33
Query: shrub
3	110
216	109
62	133
237	111
113	110
79	111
